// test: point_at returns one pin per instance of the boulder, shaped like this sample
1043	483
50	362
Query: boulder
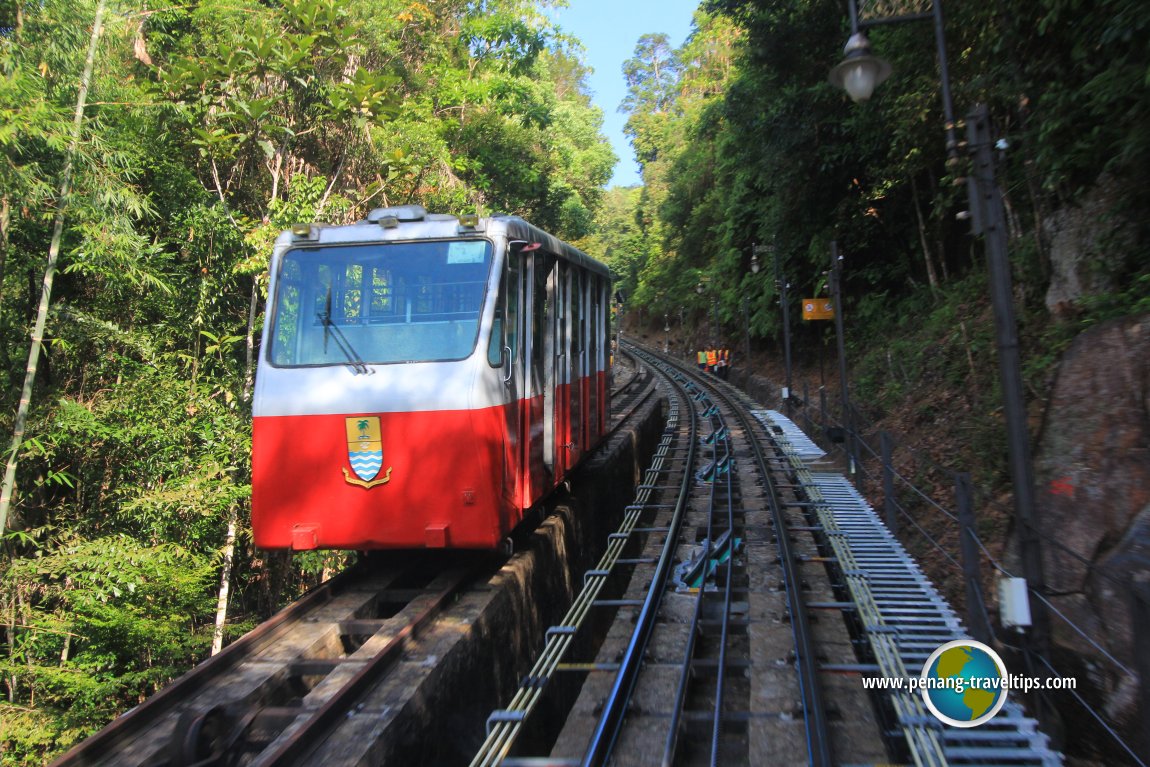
1092	476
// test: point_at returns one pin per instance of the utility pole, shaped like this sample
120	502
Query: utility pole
989	220
836	294
783	284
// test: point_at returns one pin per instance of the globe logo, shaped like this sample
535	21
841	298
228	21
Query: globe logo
964	683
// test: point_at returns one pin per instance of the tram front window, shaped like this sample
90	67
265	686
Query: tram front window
379	303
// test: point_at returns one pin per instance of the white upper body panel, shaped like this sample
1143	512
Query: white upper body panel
339	307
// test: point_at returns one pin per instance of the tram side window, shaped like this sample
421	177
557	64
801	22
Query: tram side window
595	351
495	345
540	334
287	327
504	330
514	278
578	289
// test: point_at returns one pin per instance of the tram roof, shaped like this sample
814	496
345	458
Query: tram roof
518	229
413	222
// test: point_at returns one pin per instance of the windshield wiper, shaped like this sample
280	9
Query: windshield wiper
354	361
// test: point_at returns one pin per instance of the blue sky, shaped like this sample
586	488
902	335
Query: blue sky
609	30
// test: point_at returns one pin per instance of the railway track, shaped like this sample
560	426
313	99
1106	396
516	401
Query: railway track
274	695
758	589
714	657
726	622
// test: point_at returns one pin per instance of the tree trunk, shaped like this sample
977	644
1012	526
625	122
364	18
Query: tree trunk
21	420
930	273
234	511
225	580
5	221
250	344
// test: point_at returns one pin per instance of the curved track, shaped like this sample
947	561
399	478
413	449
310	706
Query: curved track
714	565
712	658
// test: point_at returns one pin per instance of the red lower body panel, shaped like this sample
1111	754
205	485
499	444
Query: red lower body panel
439	483
446	479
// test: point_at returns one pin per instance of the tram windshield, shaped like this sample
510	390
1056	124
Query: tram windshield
381	303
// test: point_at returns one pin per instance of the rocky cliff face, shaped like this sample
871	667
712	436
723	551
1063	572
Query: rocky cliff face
1083	239
1092	470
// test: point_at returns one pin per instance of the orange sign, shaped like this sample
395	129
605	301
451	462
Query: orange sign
818	309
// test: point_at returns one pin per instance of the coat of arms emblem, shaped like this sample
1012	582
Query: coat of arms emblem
364	451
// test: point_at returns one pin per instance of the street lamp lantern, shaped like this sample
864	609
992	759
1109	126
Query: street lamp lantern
861	71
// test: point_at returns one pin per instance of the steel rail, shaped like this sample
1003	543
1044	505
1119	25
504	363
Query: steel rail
638	398
630	379
610	721
674	731
727	589
105	742
305	739
806	661
504	725
679	705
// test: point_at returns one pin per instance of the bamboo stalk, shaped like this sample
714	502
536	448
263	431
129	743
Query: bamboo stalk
21	421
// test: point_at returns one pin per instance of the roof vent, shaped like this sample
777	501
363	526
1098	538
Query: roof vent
397	213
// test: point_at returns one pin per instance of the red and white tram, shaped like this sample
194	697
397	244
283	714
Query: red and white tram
423	380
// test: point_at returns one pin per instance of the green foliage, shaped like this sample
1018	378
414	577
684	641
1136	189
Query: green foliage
211	127
94	627
749	144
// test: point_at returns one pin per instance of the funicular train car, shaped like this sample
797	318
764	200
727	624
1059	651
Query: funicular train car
423	380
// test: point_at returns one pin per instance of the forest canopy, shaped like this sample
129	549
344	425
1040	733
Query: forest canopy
743	141
207	128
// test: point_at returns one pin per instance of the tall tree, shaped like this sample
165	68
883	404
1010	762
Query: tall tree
21	419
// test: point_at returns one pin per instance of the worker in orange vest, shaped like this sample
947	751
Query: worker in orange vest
712	360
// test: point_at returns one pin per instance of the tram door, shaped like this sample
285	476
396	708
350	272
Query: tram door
509	350
577	369
543	369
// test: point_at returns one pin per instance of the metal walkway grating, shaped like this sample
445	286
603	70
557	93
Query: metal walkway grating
803	445
906	619
923	621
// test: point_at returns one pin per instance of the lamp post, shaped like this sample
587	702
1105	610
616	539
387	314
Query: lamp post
747	338
755	266
859	73
836	277
782	285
